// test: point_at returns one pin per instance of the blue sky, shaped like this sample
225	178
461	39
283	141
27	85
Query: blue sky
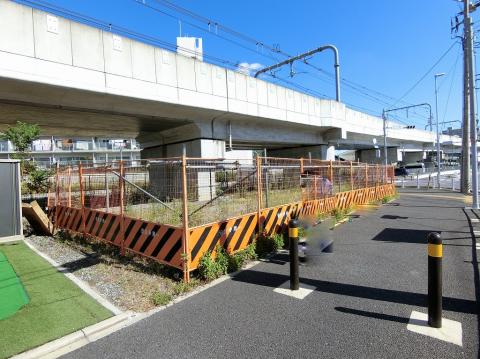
384	45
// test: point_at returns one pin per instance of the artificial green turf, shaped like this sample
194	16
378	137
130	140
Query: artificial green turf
57	306
12	293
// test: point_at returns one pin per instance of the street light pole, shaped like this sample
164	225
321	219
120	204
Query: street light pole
385	150
438	130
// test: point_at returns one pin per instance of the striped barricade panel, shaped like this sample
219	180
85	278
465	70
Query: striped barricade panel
68	218
153	240
276	219
234	234
157	241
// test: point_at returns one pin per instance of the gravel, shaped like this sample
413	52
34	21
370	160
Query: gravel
127	282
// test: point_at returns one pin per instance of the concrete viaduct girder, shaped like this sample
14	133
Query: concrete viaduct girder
88	81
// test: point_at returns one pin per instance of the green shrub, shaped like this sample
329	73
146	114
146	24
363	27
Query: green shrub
249	252
209	268
235	262
263	245
36	180
278	242
161	298
222	260
267	244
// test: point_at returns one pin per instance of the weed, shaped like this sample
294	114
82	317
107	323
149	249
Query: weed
388	198
340	214
180	288
161	298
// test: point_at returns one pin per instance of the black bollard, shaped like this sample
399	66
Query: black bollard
293	241
434	280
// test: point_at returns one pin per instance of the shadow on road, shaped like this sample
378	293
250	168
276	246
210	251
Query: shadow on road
274	280
381	316
401	235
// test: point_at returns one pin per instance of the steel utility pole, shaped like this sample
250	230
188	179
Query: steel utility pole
438	130
471	93
465	167
306	54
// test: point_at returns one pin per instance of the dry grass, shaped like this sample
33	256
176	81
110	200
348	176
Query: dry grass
130	282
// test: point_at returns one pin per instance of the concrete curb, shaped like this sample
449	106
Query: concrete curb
77	339
80	283
80	338
199	290
11	239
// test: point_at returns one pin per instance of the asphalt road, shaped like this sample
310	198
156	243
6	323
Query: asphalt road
365	293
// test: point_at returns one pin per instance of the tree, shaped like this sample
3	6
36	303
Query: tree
21	135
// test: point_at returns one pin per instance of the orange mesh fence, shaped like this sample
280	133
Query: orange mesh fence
218	189
143	206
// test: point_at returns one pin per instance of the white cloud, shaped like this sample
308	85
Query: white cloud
248	69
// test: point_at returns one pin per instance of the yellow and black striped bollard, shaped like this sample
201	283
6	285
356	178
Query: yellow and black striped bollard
435	254
293	239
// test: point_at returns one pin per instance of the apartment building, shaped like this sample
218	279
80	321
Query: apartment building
47	151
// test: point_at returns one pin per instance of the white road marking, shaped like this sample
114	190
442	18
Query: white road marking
301	293
451	330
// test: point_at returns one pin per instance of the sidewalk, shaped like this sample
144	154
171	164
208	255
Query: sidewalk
364	294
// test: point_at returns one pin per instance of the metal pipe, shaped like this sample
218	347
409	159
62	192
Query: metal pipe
142	190
306	54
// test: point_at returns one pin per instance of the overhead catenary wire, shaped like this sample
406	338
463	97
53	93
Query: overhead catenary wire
453	73
426	73
272	50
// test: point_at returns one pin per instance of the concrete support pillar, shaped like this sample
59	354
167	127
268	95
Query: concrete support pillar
413	156
375	156
201	179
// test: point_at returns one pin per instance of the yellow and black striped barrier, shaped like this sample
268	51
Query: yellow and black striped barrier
435	253
293	242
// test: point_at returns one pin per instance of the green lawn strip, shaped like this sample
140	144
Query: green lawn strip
12	293
57	306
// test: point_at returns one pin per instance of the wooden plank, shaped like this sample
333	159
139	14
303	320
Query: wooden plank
37	218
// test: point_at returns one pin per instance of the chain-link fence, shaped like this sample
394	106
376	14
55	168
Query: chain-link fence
174	210
216	189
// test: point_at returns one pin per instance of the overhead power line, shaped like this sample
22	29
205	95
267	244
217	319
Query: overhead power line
426	73
153	40
215	28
